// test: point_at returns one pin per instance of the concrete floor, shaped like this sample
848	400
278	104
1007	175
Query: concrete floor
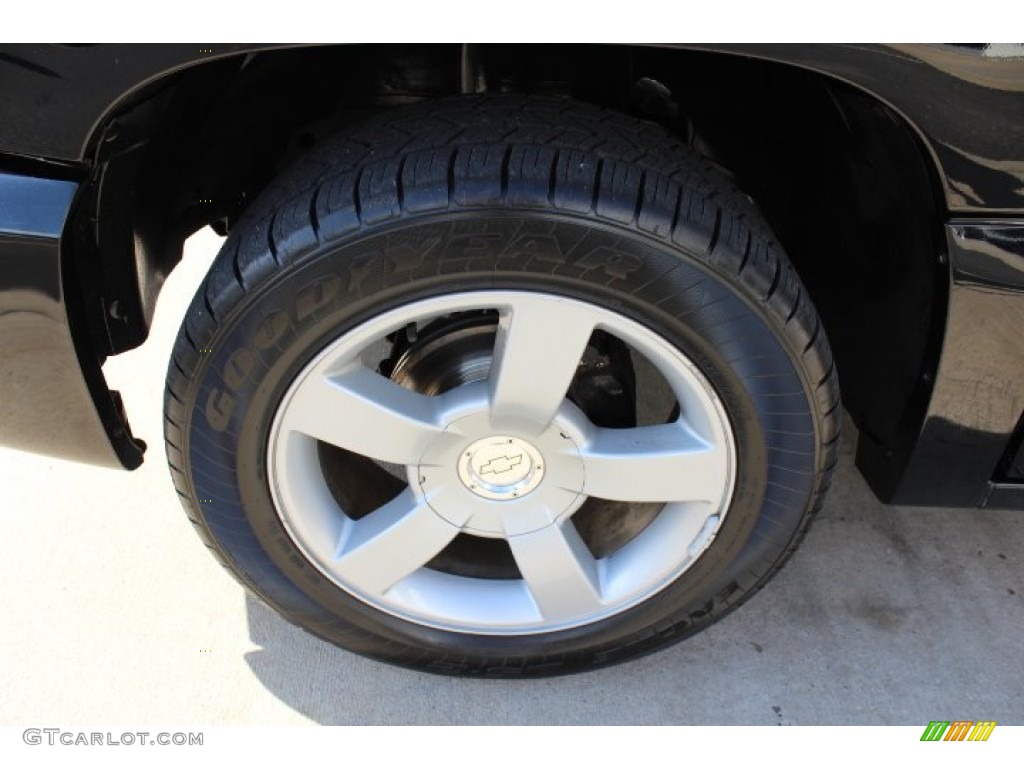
114	614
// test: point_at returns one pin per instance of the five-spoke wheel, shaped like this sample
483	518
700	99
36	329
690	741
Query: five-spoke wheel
502	386
508	456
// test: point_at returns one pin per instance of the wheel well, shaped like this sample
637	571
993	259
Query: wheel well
842	179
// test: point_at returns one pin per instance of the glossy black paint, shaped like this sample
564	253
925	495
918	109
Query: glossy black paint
966	104
978	395
52	400
57	96
83	113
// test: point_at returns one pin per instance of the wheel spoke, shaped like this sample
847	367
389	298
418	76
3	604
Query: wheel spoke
538	348
559	571
470	447
366	413
666	462
381	549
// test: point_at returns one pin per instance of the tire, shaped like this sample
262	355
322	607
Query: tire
502	386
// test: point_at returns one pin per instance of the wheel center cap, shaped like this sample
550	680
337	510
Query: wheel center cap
501	467
501	484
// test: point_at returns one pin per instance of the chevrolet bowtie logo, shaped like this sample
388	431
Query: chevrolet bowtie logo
501	464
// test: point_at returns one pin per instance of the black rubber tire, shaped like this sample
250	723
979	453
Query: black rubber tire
486	192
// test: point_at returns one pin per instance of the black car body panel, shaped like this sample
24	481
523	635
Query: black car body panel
54	401
965	105
75	119
966	452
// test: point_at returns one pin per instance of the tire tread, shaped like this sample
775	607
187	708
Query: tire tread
478	152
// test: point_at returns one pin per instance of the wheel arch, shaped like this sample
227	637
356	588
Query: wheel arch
820	147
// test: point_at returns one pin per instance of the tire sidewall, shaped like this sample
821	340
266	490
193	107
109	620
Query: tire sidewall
277	330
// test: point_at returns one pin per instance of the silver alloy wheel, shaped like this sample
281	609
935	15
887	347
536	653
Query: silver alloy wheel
508	457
